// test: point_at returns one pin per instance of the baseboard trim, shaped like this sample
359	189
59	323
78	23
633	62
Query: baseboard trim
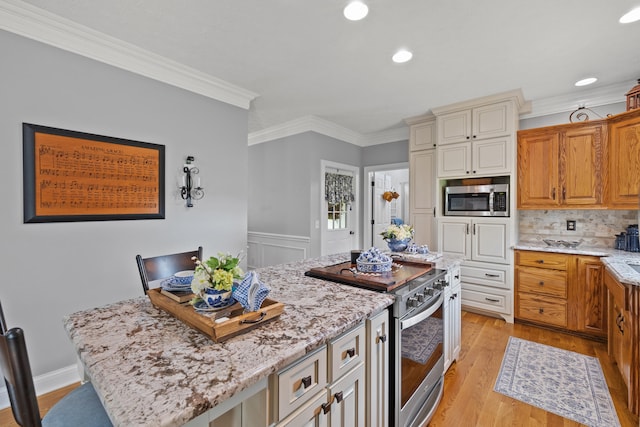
47	382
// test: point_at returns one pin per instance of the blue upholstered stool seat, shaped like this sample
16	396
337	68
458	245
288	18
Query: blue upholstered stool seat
81	407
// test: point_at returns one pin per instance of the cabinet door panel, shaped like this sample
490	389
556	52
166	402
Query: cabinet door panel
424	229
581	163
624	162
421	180
538	170
591	295
454	127
454	237
347	407
491	156
492	120
454	160
423	136
490	241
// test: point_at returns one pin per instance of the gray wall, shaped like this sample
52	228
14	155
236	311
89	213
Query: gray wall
386	154
53	269
284	183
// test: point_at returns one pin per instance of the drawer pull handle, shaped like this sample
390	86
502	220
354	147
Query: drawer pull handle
306	381
381	338
338	396
492	300
541	283
541	310
540	261
351	352
326	407
491	275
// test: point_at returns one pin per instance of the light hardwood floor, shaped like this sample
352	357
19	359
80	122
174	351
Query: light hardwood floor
469	399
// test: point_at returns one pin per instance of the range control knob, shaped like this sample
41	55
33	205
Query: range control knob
420	297
412	302
428	291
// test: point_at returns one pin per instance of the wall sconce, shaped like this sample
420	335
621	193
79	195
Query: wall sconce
190	189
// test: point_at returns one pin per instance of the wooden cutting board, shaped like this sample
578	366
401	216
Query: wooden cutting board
345	272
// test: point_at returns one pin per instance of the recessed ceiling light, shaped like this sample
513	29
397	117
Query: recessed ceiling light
401	56
585	82
355	11
632	16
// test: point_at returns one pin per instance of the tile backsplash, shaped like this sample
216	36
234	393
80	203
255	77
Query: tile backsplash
597	228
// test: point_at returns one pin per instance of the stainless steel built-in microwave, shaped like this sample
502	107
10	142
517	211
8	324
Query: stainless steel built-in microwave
477	200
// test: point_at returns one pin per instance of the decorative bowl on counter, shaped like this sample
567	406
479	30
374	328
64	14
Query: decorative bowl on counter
373	261
558	243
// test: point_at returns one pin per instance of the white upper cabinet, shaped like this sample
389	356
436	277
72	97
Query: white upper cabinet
423	136
488	121
476	158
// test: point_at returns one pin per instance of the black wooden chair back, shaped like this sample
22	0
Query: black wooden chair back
164	266
16	370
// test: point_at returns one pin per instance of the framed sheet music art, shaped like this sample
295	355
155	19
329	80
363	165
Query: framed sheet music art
75	176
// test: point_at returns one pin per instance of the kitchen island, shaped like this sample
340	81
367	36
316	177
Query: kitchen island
151	369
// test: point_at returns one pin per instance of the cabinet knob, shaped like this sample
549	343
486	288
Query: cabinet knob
474	136
553	193
541	283
306	381
338	396
326	407
351	352
540	261
541	310
467	172
468	138
381	338
474	171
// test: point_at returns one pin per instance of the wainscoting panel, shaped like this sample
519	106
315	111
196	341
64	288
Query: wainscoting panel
266	249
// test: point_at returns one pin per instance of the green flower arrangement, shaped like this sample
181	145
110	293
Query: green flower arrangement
398	232
216	273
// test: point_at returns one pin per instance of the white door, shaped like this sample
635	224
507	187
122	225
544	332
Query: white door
381	209
339	218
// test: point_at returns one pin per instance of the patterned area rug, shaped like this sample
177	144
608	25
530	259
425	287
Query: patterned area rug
563	382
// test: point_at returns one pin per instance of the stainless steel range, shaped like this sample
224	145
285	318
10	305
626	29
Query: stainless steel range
417	338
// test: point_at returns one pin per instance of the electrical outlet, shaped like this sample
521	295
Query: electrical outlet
571	225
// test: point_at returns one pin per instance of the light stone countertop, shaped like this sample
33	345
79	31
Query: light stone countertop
152	369
616	261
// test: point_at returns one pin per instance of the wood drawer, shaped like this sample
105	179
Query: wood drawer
300	382
543	260
346	352
542	309
540	281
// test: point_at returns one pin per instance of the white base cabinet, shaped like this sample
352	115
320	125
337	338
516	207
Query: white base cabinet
452	317
377	397
486	271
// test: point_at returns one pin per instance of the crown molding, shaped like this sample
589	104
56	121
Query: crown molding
325	127
603	95
515	95
29	21
305	124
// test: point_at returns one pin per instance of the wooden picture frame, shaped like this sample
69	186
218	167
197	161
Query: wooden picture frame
76	176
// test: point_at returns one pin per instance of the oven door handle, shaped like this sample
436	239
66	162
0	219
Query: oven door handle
421	315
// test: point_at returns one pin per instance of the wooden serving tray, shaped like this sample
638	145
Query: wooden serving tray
238	322
377	281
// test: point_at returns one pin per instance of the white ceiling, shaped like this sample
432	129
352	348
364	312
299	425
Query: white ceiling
303	58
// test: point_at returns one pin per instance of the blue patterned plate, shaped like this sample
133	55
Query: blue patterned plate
202	306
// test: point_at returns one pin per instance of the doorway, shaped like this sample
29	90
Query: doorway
379	210
339	214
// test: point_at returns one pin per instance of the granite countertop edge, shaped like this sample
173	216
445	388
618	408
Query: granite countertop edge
615	261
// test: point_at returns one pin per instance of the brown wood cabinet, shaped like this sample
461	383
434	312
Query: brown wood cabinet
562	167
624	160
561	290
623	330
